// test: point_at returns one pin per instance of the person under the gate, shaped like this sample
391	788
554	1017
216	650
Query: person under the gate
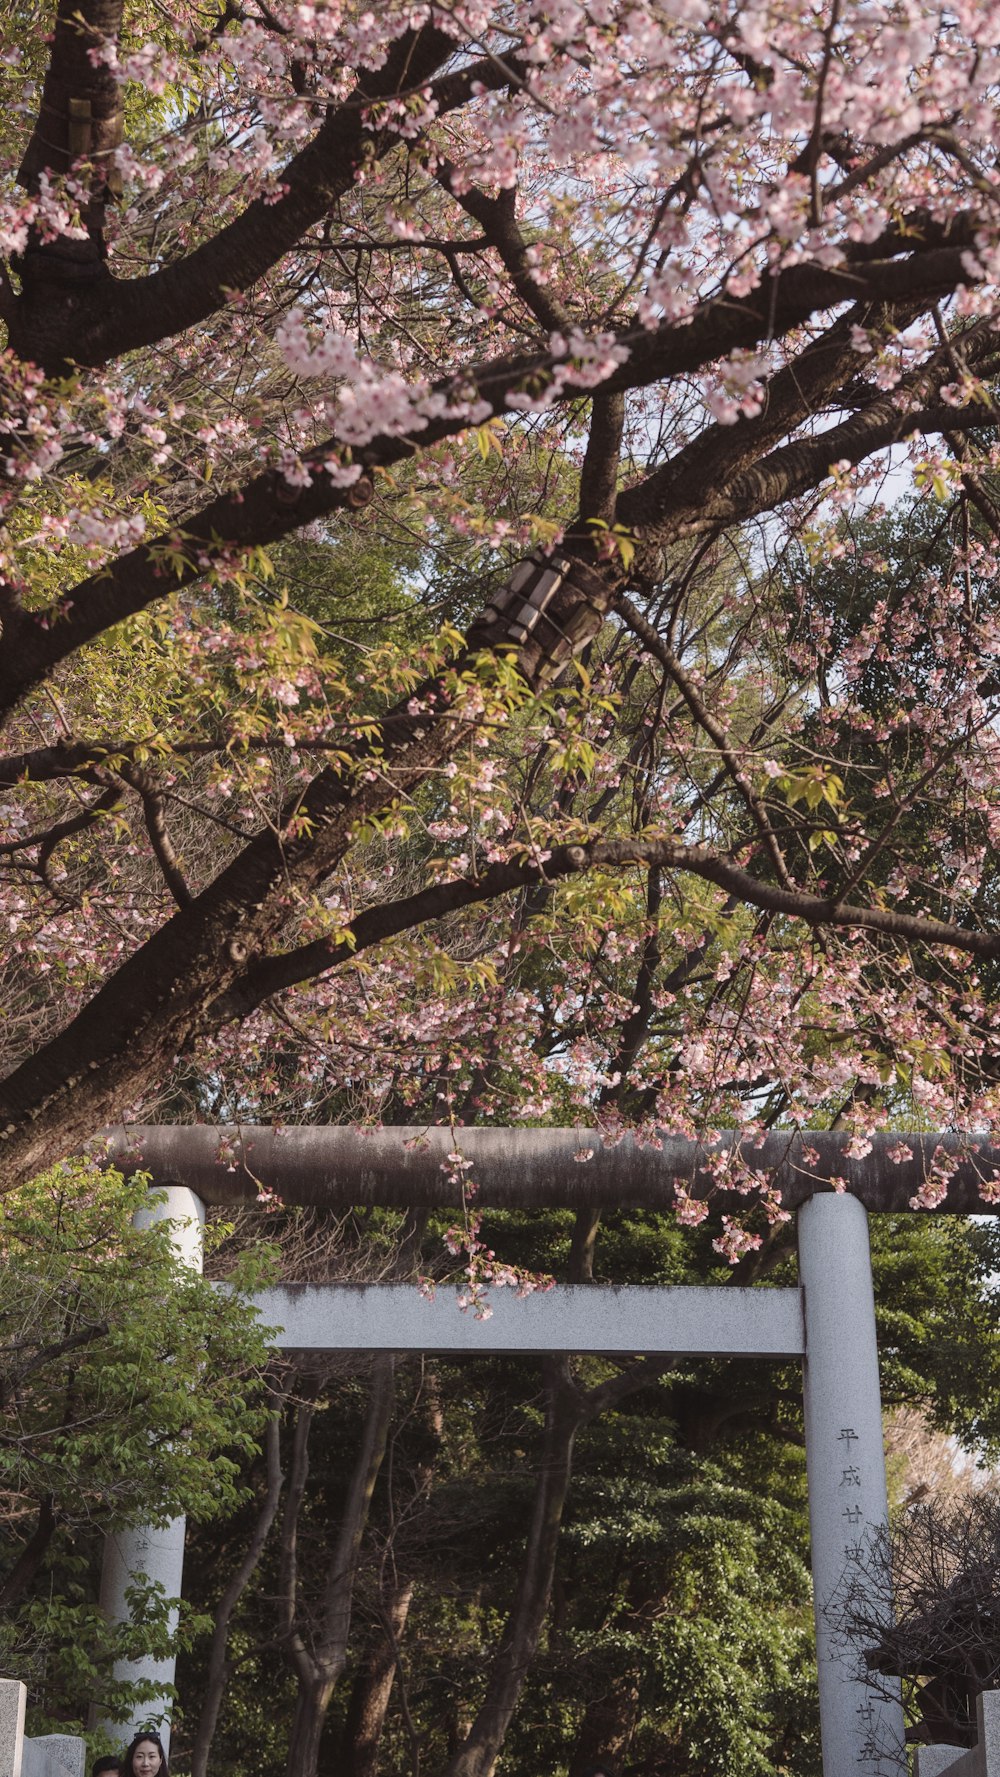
145	1756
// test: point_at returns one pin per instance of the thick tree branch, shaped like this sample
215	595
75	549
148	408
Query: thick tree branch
791	470
636	1025
319	1668
794	394
155	818
83	759
267	509
48	838
275	974
122	315
567	1408
373	1686
163	994
726	474
497	216
288	1553
972	480
80	119
564	1413
660	649
602	458
218	1669
44	1355
31	1556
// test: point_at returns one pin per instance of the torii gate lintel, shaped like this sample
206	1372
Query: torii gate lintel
335	1167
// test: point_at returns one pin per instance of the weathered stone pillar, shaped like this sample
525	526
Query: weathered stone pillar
48	1755
862	1729
981	1760
54	1755
13	1698
158	1554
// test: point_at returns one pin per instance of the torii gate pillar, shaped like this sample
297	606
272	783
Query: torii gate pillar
862	1729
151	1552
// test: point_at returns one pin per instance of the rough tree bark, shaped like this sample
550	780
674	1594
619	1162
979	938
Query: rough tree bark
372	1688
606	1727
67	301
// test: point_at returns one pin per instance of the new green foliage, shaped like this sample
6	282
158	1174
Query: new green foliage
130	1391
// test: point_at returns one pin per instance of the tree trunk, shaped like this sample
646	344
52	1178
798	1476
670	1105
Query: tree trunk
318	1664
372	1689
606	1729
31	1556
308	1722
564	1413
567	1408
219	1670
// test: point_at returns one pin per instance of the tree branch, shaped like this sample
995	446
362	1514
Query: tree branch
31	1556
159	833
127	314
160	999
602	458
267	509
218	1668
660	649
49	838
80	119
497	216
375	925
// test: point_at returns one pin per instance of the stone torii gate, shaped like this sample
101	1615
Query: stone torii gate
827	1322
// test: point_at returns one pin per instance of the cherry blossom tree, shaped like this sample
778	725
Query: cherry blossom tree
612	331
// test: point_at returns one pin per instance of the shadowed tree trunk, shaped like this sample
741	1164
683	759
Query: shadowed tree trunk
606	1728
318	1661
373	1685
219	1669
31	1556
565	1410
372	1689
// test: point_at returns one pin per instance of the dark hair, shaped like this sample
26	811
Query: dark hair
600	1769
110	1762
128	1769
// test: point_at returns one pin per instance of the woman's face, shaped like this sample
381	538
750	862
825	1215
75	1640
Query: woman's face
146	1759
